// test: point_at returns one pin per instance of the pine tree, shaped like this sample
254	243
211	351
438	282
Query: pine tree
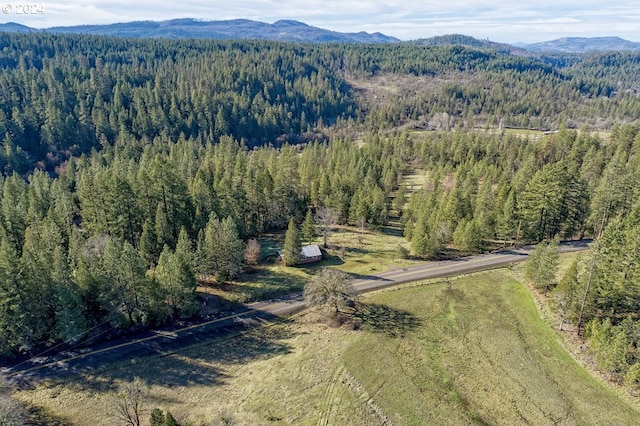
567	294
613	196
541	202
69	314
423	239
157	417
39	195
13	301
400	199
468	235
126	293
542	265
292	245
632	378
170	420
359	210
176	277
149	244
507	225
62	209
222	251
163	228
309	228
13	208
41	242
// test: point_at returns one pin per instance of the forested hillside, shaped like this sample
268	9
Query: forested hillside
133	167
62	96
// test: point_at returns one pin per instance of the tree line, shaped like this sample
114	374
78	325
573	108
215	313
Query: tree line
600	294
482	188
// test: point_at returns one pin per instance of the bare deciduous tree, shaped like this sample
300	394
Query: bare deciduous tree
252	252
326	218
127	405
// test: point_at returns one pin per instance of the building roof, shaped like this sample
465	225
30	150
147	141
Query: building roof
311	251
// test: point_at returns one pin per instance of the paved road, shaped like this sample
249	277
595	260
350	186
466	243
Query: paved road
168	341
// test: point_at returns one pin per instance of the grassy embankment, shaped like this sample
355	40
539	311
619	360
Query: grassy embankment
474	352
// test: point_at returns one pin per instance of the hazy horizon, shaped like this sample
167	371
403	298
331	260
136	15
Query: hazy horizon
516	21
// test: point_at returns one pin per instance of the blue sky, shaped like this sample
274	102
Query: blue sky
498	20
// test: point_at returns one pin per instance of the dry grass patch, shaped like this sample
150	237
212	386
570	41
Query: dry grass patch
288	373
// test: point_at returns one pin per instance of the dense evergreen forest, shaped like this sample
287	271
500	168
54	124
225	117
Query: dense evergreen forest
64	95
133	167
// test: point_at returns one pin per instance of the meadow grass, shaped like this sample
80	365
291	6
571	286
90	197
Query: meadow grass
354	251
482	355
473	350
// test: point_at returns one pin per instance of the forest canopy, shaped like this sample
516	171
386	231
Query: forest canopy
133	168
64	95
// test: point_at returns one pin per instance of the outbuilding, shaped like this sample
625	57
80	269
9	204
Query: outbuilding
308	254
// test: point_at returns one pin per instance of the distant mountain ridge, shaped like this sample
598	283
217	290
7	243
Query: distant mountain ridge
464	40
284	30
561	45
296	31
12	27
583	45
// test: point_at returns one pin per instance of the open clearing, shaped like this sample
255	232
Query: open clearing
471	351
355	251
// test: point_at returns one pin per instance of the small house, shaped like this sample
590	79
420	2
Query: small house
308	254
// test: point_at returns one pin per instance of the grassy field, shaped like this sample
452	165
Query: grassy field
472	351
482	355
350	250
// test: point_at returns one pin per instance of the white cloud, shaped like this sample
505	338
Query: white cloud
515	20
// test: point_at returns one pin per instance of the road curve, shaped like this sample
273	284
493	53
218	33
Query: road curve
167	341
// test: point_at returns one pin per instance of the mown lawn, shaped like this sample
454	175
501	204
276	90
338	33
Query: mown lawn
474	351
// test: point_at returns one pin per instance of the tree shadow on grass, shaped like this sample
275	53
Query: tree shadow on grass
358	250
264	284
328	260
42	416
384	319
268	283
394	231
454	293
194	357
